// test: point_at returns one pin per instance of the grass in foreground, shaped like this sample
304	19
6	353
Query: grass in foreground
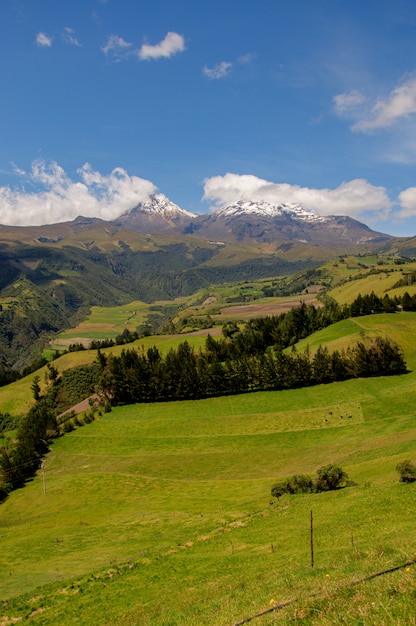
160	514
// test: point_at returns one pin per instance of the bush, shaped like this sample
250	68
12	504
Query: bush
330	477
89	417
299	483
279	489
407	471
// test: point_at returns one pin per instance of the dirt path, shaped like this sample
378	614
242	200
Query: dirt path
81	406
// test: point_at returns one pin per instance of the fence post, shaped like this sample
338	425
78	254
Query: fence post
311	537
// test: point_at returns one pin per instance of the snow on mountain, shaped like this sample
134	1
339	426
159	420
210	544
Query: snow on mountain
247	220
261	221
157	214
159	204
265	209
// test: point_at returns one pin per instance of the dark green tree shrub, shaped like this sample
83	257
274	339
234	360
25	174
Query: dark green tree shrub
330	477
407	471
299	483
279	489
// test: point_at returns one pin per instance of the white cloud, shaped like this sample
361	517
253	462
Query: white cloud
407	200
116	46
61	199
43	40
400	104
354	198
69	36
170	45
346	101
221	70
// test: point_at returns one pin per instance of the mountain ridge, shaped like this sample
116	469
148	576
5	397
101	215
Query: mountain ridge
241	221
245	220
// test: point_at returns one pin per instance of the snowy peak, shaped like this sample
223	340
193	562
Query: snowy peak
159	204
261	221
157	214
247	220
265	209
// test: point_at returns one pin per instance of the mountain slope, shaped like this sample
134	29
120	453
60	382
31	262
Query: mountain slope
158	214
264	222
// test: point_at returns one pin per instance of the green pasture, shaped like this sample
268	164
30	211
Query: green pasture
160	514
106	322
381	283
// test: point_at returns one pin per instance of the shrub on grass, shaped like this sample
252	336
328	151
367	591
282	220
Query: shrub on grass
89	417
67	426
299	483
330	477
407	471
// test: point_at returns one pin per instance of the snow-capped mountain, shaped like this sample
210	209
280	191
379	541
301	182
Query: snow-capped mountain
246	220
262	208
156	214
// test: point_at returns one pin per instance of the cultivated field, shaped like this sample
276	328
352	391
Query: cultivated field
161	514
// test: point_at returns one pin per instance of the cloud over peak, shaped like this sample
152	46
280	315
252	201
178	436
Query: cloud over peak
354	198
58	198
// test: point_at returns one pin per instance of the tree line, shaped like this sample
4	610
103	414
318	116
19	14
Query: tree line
185	374
287	328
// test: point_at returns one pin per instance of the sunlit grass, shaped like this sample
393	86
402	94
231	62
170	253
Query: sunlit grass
160	514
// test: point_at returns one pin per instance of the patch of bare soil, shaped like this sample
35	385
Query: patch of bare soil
247	311
81	406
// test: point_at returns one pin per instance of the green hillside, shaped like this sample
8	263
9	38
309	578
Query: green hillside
51	276
161	513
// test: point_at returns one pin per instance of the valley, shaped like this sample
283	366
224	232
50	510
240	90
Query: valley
161	512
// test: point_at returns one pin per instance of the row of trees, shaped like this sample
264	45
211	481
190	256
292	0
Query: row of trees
21	461
283	330
20	458
139	376
288	328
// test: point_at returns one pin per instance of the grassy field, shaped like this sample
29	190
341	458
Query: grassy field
364	280
104	322
161	514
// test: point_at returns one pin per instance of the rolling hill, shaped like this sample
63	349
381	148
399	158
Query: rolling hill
161	513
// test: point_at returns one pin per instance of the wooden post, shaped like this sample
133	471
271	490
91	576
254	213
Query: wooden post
43	475
311	538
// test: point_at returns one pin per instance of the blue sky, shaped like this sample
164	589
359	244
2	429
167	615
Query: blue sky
307	101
